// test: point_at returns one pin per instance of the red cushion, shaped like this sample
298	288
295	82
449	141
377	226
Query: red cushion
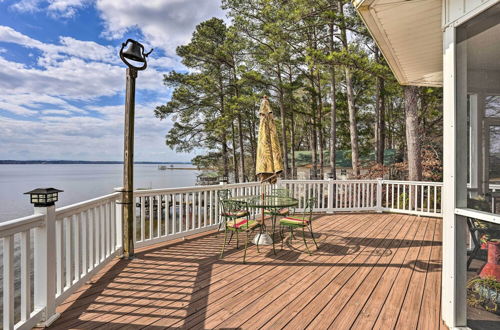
238	224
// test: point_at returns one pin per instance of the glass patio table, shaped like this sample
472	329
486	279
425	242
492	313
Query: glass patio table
267	202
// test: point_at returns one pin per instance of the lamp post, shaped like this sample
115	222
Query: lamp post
135	53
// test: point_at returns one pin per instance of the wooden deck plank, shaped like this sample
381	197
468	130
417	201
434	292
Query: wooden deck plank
373	303
344	283
348	309
410	310
392	306
222	289
283	293
349	283
245	292
430	308
107	303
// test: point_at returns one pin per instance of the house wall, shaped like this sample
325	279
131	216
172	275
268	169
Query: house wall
456	11
454	305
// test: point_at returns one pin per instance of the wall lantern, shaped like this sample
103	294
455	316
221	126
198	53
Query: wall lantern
43	197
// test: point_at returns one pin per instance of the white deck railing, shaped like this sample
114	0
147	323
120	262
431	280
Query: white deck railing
48	255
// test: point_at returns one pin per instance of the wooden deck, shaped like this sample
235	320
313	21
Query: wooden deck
372	271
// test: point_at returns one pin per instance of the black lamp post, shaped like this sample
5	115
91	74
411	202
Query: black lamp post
43	197
134	53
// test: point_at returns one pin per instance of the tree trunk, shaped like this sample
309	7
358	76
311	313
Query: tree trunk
353	127
240	125
412	133
292	128
292	137
235	158
333	112
242	149
225	159
314	135
283	124
320	127
380	116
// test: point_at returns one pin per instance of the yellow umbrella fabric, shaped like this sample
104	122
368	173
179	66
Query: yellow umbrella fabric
269	162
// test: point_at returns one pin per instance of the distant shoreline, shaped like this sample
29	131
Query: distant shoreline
21	162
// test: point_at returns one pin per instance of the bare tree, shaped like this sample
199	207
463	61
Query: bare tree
412	133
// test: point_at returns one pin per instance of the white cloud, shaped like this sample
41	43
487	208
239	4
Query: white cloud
56	8
164	23
86	138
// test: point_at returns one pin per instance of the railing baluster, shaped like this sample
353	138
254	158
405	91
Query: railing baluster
158	215
112	207
435	199
174	213
102	221
91	244
25	275
182	224
151	216
8	282
84	239
143	218
68	251
76	242
59	258
205	208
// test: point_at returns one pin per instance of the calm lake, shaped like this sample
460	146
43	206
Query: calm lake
79	182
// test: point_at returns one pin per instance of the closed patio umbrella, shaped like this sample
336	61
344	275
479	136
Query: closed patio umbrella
269	163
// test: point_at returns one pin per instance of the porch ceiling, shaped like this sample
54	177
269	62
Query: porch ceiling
409	35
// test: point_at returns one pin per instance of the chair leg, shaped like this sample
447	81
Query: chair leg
305	242
312	235
237	240
245	252
257	244
281	236
273	227
472	255
223	245
230	238
291	234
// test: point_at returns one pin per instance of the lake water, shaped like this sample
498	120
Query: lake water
79	181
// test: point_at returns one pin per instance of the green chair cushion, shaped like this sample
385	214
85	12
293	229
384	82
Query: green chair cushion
295	221
236	214
242	224
283	212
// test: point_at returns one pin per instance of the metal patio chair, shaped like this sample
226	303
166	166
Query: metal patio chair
302	220
236	225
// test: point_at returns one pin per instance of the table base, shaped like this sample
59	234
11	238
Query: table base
262	239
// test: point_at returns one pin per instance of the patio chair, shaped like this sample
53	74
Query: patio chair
279	212
303	221
226	214
481	231
238	224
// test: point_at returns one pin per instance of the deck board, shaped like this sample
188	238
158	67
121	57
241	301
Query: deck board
372	270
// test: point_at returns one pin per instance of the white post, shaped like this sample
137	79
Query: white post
454	308
119	221
331	192
379	195
45	266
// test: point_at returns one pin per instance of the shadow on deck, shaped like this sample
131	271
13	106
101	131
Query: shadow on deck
371	271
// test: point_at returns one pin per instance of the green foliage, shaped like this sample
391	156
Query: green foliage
294	51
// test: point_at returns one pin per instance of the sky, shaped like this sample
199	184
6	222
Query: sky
62	83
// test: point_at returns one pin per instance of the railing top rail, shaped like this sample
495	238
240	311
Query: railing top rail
427	183
75	208
15	226
147	192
